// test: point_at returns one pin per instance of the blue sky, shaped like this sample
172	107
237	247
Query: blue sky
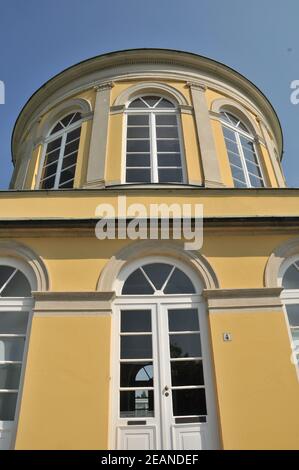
260	39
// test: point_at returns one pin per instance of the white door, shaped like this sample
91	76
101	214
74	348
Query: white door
163	398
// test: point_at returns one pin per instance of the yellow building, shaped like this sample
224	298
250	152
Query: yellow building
123	343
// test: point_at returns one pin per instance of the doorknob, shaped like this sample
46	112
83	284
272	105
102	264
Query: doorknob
166	388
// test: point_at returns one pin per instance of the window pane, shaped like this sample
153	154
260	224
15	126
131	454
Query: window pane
168	132
187	345
5	273
48	183
151	100
189	402
138	145
8	406
68	184
168	145
18	286
52	157
256	182
170	175
137	283
66	120
73	135
253	169
186	373
247	144
157	273
138	176
69	160
290	279
250	156
136	347
138	159
235	160
11	349
10	376
293	314
183	319
57	128
137	104
66	175
169	159
164	104
166	119
228	133
49	170
72	147
238	173
231	147
179	283
138	120
54	144
138	132
136	374
13	322
137	403
136	320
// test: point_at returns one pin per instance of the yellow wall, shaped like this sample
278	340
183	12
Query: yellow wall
65	403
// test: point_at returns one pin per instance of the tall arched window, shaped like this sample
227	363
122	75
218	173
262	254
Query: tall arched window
290	297
153	143
61	150
15	308
244	163
163	372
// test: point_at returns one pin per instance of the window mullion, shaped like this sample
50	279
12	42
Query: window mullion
242	157
154	158
60	160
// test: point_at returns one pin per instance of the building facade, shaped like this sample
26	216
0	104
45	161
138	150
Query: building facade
122	343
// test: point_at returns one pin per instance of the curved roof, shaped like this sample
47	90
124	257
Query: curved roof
210	67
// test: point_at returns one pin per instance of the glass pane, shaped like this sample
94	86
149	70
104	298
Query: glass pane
228	133
250	156
54	144
52	157
168	145
76	117
247	144
166	119
137	104
240	184
235	160
69	160
66	120
57	128
290	279
49	183
169	159
136	374
138	159
179	283
187	345
253	169
137	403
151	100
11	349
5	273
13	323
133	321
138	145
231	147
138	176
10	376
188	402
186	373
293	314
165	104
136	347
49	170
170	175
256	182
157	273
295	337
138	120
72	147
237	173
8	406
137	283
68	184
138	132
66	175
73	135
168	132
183	319
18	286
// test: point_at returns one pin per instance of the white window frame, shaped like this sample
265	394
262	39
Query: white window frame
51	137
237	133
153	139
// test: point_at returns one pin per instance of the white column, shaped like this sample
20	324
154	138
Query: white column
99	135
212	176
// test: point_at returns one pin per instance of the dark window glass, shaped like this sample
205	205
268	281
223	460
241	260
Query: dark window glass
138	145
7	406
136	403
10	376
48	183
290	279
187	373
136	374
137	283
138	132
138	120
18	286
169	159
139	159
138	176
157	273
293	314
13	323
166	120
183	320
75	134
136	347
167	132
189	402
179	283
170	175
133	321
168	145
5	273
53	145
187	345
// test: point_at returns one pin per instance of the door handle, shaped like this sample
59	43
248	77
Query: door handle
166	388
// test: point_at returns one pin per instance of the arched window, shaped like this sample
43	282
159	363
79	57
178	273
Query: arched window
15	308
290	296
244	163
61	150
153	143
162	377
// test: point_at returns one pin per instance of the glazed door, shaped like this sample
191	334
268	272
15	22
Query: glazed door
161	398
